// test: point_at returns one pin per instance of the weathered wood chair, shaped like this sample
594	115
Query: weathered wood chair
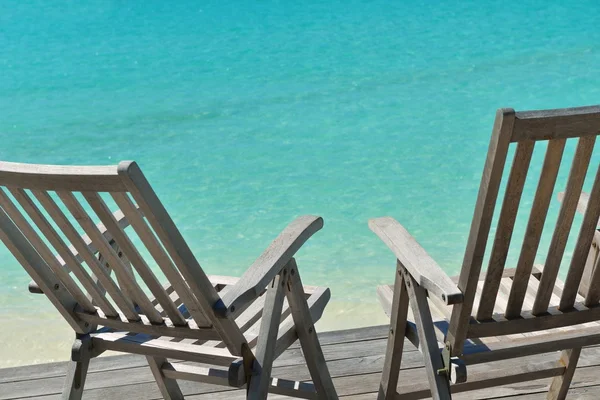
58	223
504	313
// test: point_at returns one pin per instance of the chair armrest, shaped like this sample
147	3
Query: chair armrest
582	203
415	259
269	264
123	223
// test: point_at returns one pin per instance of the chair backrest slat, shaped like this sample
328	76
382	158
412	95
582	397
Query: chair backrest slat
110	255
24	252
582	250
558	243
131	253
480	227
123	302
162	259
557	127
535	225
42	249
508	216
70	261
593	291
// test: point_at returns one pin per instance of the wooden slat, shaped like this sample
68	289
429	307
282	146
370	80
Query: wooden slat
438	383
580	254
592	263
69	260
169	388
145	326
502	295
111	257
42	249
531	323
180	253
195	373
532	285
594	273
269	328
533	289
72	235
136	259
549	342
284	387
535	226
558	291
252	330
35	266
563	225
560	384
582	204
287	330
146	345
557	124
128	271
395	343
123	223
59	177
480	227
506	224
305	329
253	313
249	320
593	291
593	254
488	380
162	259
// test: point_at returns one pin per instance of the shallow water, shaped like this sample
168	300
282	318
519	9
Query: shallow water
244	116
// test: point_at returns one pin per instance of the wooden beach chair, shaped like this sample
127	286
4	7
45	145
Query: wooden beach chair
94	263
504	313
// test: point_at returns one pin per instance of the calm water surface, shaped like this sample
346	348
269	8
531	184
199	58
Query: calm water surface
244	116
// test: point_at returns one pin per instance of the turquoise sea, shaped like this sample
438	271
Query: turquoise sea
244	115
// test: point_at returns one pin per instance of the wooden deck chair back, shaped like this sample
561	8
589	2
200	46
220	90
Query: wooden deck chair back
507	312
45	209
525	131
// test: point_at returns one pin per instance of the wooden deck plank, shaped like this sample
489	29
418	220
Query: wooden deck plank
355	358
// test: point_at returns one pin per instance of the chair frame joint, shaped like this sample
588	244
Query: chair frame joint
446	360
82	347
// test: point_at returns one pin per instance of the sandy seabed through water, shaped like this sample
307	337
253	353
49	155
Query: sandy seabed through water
47	338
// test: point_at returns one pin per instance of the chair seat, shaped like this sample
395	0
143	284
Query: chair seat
490	347
208	351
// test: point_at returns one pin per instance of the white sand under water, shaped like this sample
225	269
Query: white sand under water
47	338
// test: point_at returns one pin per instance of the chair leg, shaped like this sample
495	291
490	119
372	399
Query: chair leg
395	343
560	384
77	369
311	348
258	387
428	345
169	388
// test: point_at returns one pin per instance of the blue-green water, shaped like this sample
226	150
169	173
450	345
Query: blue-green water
244	115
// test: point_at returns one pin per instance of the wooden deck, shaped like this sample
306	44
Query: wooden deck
355	359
